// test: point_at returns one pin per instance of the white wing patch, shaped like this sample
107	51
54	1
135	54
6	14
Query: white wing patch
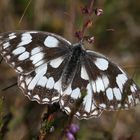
24	56
105	81
101	63
18	50
117	93
130	99
121	79
93	86
133	87
12	36
37	57
99	85
76	93
67	109
45	100
57	85
50	83
39	63
109	94
19	69
40	71
6	45
51	42
25	39
36	97
55	63
88	99
84	74
103	105
36	50
27	79
42	81
8	57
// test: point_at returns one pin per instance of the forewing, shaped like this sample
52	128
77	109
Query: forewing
77	99
112	89
44	84
26	50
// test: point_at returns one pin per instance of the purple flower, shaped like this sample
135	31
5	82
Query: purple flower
70	136
71	131
73	128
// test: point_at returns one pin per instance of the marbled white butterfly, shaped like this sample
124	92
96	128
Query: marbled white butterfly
51	69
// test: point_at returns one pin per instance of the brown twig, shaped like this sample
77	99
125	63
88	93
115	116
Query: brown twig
71	116
5	118
24	12
87	23
14	84
1	60
48	121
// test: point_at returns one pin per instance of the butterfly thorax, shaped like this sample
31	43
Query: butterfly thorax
77	49
74	58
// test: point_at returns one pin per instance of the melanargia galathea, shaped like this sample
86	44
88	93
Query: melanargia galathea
51	69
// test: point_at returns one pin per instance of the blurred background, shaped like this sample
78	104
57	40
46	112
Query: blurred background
117	35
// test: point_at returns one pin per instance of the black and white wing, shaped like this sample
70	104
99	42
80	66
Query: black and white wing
26	50
77	98
97	85
111	87
50	69
39	58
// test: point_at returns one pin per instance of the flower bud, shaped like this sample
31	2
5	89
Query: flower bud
98	12
70	136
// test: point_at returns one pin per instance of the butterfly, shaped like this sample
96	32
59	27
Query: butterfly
51	69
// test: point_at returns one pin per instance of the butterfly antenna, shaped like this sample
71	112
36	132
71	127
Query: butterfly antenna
135	67
4	89
133	74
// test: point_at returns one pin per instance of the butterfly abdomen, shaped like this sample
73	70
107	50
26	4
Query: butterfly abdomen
71	67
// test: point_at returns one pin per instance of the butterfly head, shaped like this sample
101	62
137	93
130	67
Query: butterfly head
79	45
78	49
